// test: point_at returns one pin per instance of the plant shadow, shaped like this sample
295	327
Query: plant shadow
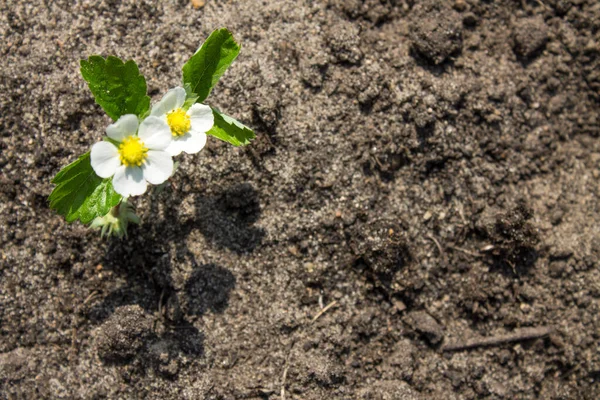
227	219
154	277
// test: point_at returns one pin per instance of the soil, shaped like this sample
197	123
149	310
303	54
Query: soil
425	173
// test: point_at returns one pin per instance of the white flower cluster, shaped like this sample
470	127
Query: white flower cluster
137	153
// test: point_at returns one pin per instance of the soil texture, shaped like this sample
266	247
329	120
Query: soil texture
418	217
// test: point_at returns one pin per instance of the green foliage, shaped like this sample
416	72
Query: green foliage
118	87
190	97
203	69
202	72
116	222
81	194
230	130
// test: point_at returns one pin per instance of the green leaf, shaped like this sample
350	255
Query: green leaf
230	130
81	194
190	97
118	87
203	69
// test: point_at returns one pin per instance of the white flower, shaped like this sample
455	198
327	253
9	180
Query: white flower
188	128
138	156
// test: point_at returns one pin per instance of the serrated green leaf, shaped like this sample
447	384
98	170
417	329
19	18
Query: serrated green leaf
118	87
230	130
81	194
203	69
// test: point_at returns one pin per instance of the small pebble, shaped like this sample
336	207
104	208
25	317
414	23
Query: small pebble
460	5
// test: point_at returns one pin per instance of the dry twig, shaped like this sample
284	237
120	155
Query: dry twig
283	378
90	297
464	251
438	245
516	336
324	310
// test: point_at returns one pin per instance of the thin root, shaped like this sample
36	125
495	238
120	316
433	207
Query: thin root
324	310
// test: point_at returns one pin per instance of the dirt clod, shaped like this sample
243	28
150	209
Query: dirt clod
124	334
437	36
531	35
512	235
426	325
381	248
163	355
403	359
343	40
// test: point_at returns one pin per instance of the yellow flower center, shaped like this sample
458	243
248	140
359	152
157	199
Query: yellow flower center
132	151
179	122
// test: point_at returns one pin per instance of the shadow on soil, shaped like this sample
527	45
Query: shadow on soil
145	260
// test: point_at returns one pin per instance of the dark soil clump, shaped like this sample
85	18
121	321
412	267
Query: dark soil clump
124	334
511	235
437	35
531	35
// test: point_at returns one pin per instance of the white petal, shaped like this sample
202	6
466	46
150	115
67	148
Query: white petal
105	159
125	126
190	143
173	99
158	167
176	146
129	181
155	133
202	118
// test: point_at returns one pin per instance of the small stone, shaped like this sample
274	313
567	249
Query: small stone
309	267
557	103
197	4
560	252
557	268
557	340
399	305
460	5
348	219
556	217
426	325
293	250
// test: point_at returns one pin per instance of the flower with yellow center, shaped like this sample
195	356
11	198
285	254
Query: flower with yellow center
179	122
134	155
132	151
188	127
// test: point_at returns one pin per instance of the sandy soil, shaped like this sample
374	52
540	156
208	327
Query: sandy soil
425	174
